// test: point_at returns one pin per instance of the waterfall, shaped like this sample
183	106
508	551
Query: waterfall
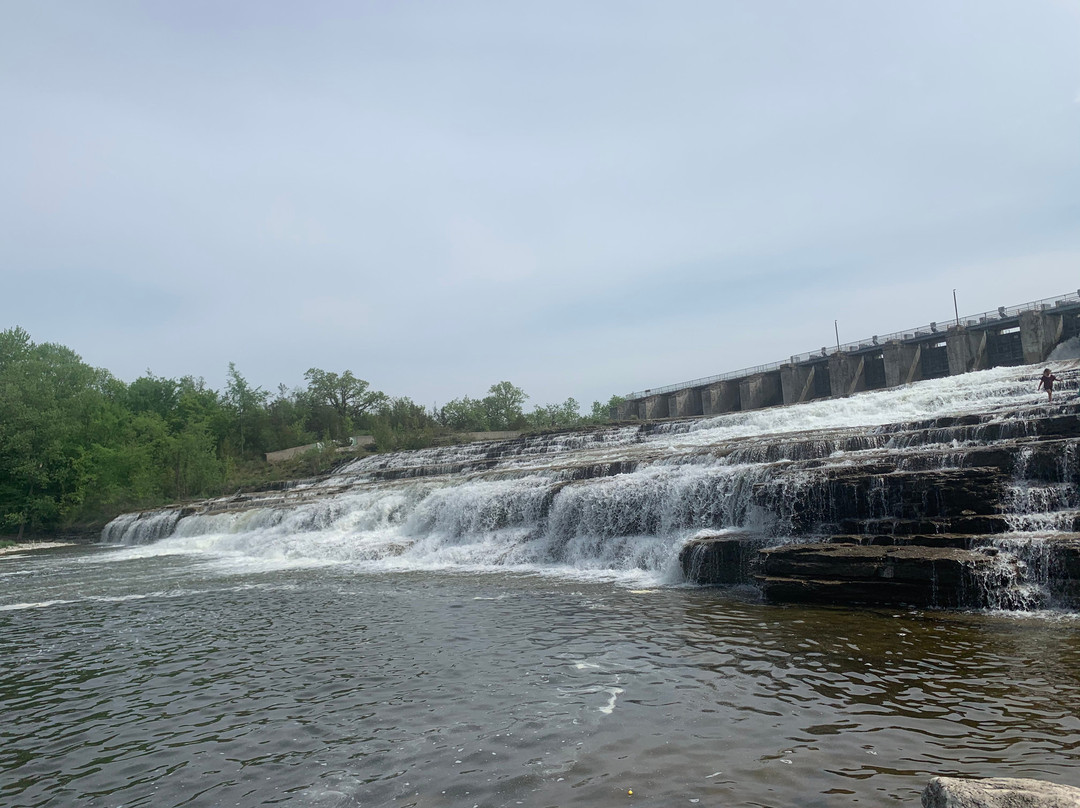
142	527
624	500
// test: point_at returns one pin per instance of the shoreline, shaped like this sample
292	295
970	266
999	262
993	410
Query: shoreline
79	534
35	545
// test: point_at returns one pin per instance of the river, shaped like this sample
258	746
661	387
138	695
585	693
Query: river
507	625
135	679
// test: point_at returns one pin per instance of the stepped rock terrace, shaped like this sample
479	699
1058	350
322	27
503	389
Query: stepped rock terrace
947	492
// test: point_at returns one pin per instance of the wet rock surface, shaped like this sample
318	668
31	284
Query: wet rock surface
998	792
934	519
917	575
721	558
980	506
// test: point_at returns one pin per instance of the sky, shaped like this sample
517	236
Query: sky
584	199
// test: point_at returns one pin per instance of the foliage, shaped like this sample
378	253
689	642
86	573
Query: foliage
48	399
464	415
401	423
341	401
246	402
602	413
78	445
502	405
556	415
498	411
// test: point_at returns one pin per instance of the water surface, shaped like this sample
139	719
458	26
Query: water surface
189	679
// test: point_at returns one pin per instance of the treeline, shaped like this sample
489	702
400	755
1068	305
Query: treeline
78	445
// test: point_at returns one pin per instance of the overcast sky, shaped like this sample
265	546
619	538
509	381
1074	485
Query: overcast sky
583	198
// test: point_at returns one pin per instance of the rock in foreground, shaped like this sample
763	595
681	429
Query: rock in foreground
998	792
845	573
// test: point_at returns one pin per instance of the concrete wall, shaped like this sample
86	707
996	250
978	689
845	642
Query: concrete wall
654	407
902	364
847	373
686	403
289	454
1039	333
357	442
966	349
761	390
806	381
720	397
974	346
797	383
492	435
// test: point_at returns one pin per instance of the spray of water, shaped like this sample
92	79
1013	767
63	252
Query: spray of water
620	502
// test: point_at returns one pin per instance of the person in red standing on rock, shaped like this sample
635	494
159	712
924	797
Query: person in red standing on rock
1047	383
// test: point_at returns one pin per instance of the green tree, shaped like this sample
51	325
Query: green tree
556	415
194	463
150	393
348	397
287	417
246	403
49	400
401	423
199	404
502	406
602	413
464	415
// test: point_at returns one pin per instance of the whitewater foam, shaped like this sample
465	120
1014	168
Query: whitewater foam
616	503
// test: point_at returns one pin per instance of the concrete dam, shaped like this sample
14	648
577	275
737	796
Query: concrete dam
1020	335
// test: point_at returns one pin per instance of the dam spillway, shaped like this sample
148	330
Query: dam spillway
1011	336
979	463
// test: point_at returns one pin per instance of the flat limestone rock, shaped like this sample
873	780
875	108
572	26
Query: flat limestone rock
998	792
719	558
855	561
873	574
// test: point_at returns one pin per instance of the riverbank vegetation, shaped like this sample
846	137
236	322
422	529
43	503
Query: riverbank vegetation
78	445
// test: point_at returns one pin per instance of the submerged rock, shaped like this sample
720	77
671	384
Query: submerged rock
998	792
846	573
720	558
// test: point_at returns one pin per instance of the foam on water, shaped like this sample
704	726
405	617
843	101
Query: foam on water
616	503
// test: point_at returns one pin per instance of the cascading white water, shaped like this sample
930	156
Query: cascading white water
141	527
619	501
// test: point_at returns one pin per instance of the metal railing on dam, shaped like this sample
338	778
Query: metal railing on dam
921	332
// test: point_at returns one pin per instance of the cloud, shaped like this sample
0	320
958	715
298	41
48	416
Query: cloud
480	255
581	198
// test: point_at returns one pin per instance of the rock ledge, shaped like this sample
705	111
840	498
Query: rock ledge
998	792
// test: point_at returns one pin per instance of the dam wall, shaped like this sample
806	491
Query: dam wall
1021	335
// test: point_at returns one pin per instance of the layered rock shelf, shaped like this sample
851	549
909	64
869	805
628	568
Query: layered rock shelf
969	500
933	523
916	575
998	792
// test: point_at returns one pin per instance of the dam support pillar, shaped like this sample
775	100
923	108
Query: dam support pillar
687	403
847	372
805	382
627	410
966	350
720	397
761	390
654	407
903	363
1040	331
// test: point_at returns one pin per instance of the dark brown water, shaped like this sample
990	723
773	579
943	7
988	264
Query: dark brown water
176	681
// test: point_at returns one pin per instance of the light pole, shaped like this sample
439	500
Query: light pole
956	311
837	330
